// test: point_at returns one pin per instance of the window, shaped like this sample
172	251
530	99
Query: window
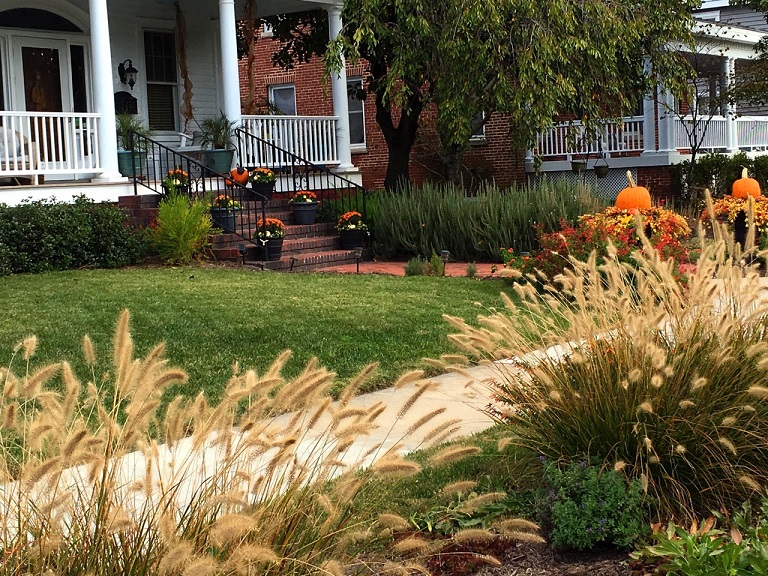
283	97
355	98
160	60
477	123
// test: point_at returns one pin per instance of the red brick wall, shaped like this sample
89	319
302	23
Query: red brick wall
658	180
494	159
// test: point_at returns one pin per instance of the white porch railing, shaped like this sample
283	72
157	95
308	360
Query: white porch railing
752	132
569	139
33	143
715	137
311	138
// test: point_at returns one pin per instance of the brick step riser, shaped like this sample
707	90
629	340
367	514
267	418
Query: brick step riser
309	262
314	231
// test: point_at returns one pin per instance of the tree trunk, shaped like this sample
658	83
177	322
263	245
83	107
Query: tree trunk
454	157
399	139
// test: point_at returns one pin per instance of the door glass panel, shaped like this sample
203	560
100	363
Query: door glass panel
42	80
77	66
3	64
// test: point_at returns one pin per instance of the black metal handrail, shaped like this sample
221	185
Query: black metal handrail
154	163
335	193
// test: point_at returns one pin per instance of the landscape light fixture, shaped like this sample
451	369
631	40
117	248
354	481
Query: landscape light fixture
127	75
444	256
358	256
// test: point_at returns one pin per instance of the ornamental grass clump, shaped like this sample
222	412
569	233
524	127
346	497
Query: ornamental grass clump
268	482
660	377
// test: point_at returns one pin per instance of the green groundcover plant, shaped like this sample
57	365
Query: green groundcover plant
658	377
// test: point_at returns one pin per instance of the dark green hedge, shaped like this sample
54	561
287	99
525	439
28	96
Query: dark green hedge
46	235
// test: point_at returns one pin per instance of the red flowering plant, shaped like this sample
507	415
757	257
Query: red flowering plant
665	230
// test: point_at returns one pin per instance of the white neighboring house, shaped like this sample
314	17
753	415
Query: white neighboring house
657	136
59	82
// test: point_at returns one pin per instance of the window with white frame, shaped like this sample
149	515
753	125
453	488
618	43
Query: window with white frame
162	79
283	98
477	123
355	101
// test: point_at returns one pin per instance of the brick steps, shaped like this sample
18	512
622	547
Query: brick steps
305	248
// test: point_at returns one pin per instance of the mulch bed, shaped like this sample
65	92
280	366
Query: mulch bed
521	559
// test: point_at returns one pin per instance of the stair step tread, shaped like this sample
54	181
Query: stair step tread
309	260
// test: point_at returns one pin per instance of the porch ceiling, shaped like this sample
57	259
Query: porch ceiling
272	7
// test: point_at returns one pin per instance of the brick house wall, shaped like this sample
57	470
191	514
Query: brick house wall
492	159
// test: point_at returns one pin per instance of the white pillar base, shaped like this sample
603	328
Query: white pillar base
109	178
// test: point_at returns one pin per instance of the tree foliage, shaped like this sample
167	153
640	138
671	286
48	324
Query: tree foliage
529	59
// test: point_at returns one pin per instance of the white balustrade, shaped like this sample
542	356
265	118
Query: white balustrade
710	133
33	143
311	138
752	132
568	139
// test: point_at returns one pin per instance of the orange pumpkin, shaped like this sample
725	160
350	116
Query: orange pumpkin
745	187
240	175
633	196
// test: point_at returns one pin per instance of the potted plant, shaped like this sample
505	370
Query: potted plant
131	153
216	136
224	212
351	230
177	181
304	204
269	238
263	183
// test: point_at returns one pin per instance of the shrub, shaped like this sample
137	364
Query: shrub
47	235
417	267
589	506
97	494
718	545
426	220
471	270
182	229
653	375
716	172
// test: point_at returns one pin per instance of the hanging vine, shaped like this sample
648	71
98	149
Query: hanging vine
249	29
186	110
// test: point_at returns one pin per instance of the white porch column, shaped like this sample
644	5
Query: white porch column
731	130
103	98
229	73
666	121
649	124
649	113
339	92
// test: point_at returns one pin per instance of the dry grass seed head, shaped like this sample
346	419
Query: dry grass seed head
478	502
517	525
88	351
473	535
424	420
204	566
411	546
394	522
750	483
727	444
231	527
413	398
395	467
453	454
350	390
247	556
458	487
527	537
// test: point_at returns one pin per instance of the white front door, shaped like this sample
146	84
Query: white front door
42	75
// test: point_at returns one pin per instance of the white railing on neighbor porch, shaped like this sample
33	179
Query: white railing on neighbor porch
33	143
568	139
751	133
311	138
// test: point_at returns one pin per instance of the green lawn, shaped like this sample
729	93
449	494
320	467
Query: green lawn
213	317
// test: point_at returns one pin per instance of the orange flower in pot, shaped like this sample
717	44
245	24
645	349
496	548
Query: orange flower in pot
633	196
